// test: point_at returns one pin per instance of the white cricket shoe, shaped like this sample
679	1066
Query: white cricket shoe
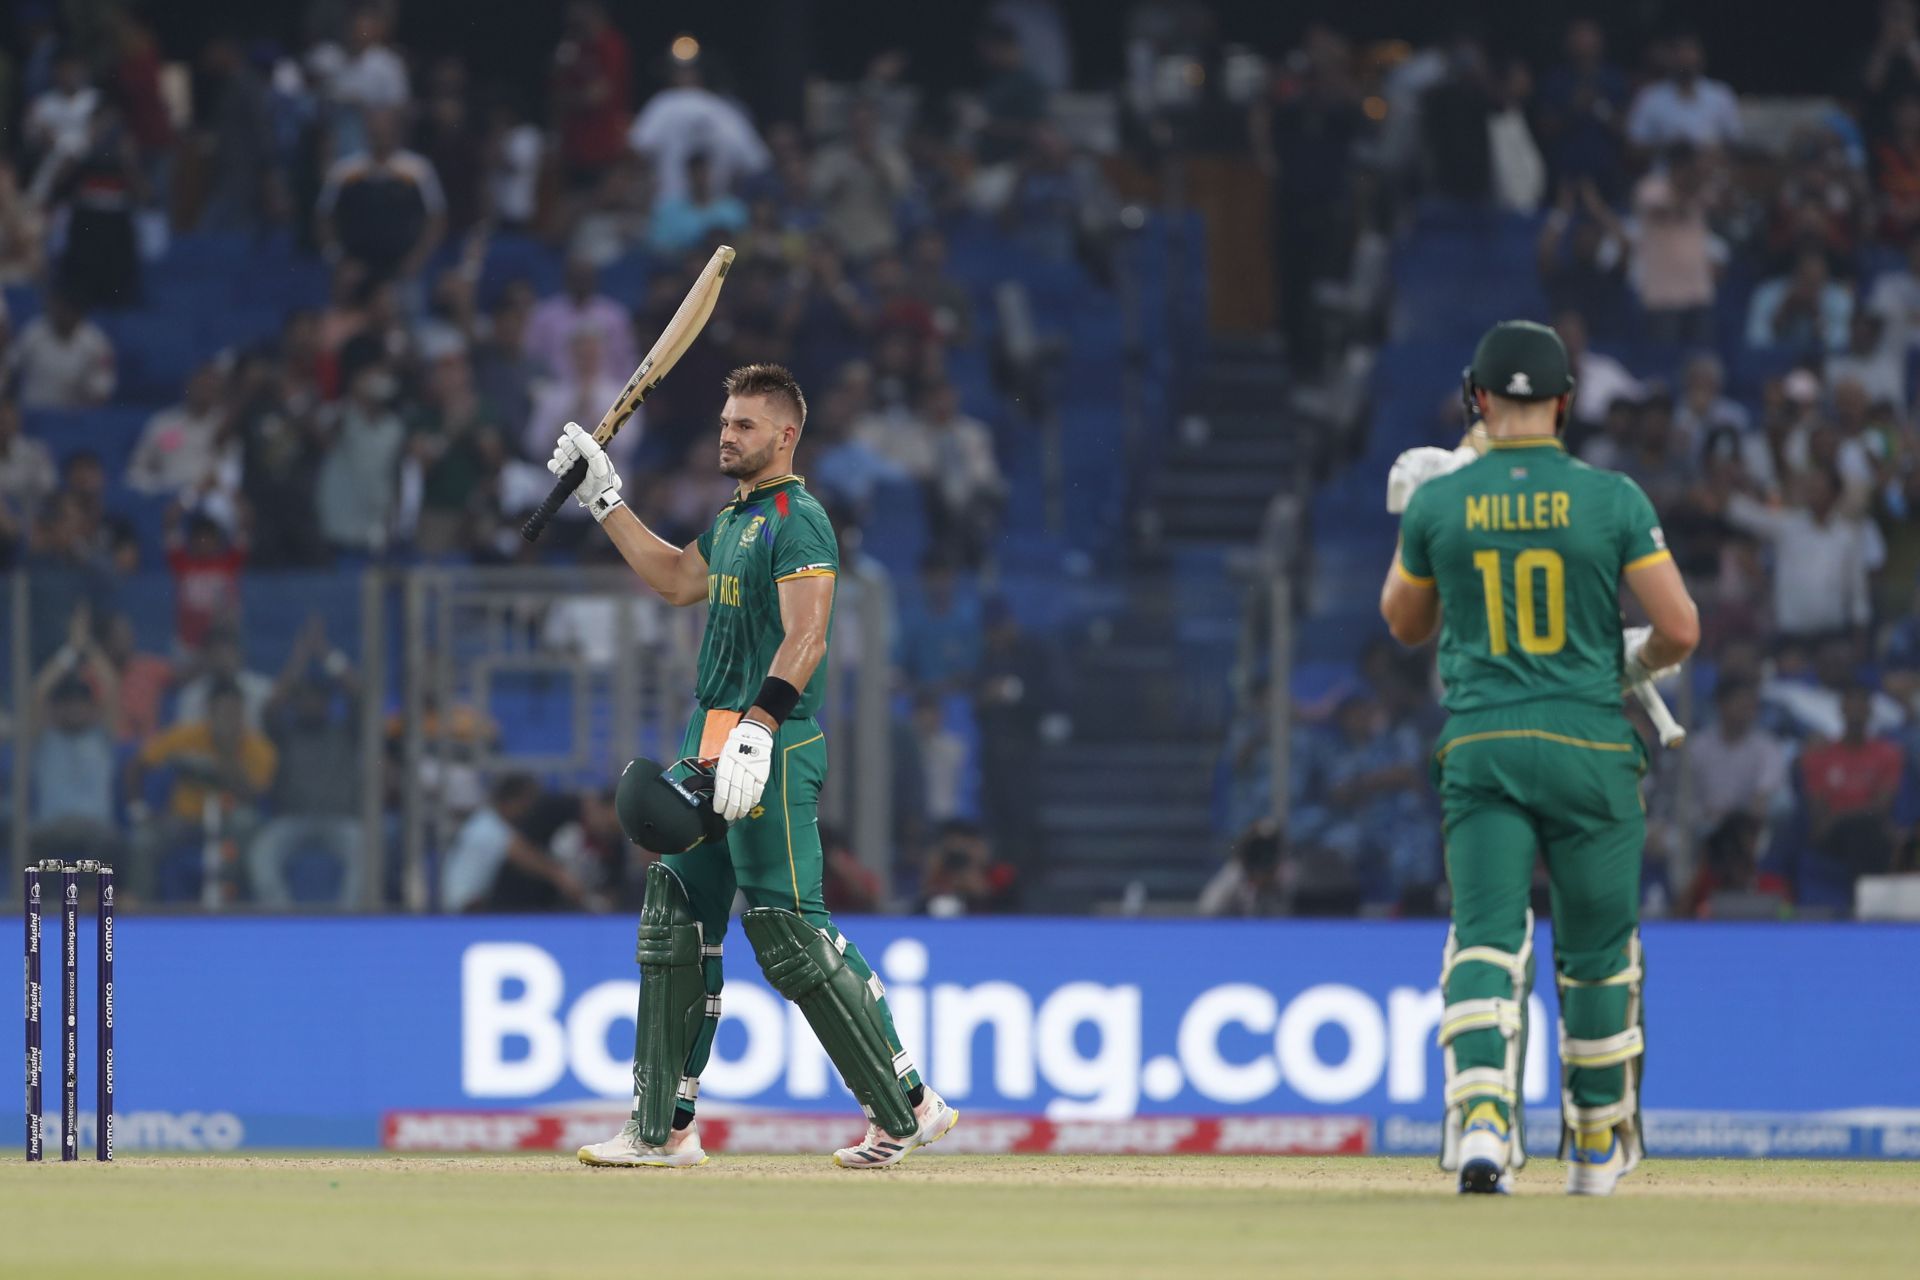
1593	1172
625	1150
880	1149
1483	1161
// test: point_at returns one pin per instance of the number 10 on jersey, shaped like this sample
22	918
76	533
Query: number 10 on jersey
1529	567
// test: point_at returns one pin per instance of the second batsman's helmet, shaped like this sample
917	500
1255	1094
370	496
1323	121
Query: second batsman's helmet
667	809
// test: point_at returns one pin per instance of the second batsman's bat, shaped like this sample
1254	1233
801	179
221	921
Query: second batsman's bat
667	350
1672	733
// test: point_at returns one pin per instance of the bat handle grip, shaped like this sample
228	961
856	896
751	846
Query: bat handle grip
537	522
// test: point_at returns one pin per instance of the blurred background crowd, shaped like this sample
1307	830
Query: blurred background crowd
1111	318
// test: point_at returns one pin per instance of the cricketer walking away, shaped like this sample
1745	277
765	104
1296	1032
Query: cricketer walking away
1516	556
766	568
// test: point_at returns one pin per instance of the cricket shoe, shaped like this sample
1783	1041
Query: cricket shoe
1483	1160
625	1150
1595	1171
880	1149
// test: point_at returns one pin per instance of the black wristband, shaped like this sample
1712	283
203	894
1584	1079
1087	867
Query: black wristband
777	698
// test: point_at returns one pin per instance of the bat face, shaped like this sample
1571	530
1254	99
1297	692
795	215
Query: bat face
687	322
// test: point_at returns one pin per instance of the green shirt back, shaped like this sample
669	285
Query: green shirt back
1527	547
774	532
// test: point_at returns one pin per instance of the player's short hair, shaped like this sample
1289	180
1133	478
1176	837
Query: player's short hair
769	380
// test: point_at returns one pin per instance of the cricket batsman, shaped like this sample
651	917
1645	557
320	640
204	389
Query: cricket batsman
766	569
1515	556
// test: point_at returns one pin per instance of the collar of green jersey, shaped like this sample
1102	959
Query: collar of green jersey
1527	442
772	484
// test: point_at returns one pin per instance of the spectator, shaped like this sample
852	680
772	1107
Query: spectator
383	206
61	360
1364	802
857	183
1850	787
1730	884
966	488
221	660
516	151
244	189
58	123
98	189
1821	557
316	792
206	578
450	140
180	451
140	679
443	443
1896	294
1582	110
26	477
1599	379
940	631
581	306
1519	174
1017	691
357	480
1873	367
581	394
1804	310
221	768
1739	766
1675	255
618	217
1581	256
1251	883
592	86
73	764
282	445
369	82
489	843
22	236
66	572
1703	409
687	119
942	758
850	886
945	298
1684	105
686	221
503	373
1012	97
962	877
1892	71
1896	173
134	78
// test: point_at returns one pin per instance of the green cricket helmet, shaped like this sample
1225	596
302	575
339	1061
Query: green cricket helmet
667	809
1520	360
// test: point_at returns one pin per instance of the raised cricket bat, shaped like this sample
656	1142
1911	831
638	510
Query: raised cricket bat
667	350
1672	732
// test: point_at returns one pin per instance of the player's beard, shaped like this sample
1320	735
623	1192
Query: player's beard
745	464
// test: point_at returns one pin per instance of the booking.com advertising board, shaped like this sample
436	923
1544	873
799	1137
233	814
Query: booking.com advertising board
505	1032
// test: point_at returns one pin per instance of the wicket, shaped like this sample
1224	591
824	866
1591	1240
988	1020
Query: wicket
70	873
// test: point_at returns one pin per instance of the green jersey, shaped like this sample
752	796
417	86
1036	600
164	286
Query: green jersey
1527	547
764	537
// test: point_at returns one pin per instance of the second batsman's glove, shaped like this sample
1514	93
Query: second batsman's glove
1633	668
599	491
740	774
1417	466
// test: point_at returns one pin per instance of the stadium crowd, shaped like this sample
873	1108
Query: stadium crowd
1742	319
1743	314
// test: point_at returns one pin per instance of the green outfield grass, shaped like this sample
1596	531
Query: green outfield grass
784	1217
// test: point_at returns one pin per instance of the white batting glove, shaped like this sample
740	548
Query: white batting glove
1634	669
599	492
740	775
1417	466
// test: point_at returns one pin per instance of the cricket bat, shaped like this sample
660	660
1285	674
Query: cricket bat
673	342
1672	732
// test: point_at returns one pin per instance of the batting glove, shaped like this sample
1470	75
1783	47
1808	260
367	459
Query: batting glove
599	492
1634	669
1417	466
740	775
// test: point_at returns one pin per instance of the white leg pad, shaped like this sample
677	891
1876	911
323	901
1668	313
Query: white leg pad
1505	1014
1624	1047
